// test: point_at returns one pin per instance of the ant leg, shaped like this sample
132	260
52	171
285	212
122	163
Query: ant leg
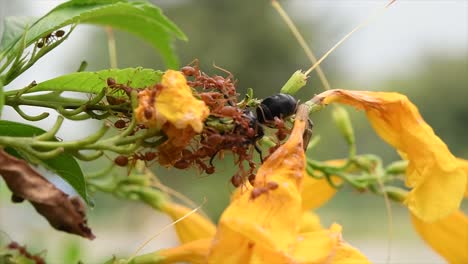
230	76
307	133
259	151
212	158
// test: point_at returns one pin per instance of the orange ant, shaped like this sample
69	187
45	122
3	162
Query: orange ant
24	252
257	191
130	161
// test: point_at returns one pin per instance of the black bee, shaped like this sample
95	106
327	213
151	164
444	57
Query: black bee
279	105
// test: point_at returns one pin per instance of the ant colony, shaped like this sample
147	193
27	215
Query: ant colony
234	127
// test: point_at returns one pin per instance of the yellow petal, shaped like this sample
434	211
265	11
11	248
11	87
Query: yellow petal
270	221
316	247
434	174
447	236
193	227
326	246
316	192
464	164
310	222
173	102
177	104
193	252
346	254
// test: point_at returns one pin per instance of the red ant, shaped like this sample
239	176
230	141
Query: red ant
24	252
225	85
130	161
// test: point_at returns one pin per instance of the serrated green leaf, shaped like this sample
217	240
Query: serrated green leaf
138	17
94	82
63	165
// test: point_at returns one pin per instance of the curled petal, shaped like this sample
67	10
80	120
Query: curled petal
434	174
447	236
270	221
194	227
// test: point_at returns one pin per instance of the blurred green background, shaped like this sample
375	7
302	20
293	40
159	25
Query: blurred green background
416	49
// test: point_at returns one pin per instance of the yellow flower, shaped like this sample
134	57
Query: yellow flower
177	104
267	223
172	101
437	180
171	107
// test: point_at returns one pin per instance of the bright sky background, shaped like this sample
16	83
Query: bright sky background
395	42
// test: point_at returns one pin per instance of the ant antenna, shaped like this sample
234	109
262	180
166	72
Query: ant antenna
302	42
373	16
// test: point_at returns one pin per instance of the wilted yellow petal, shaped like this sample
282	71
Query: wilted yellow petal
447	236
435	175
177	104
193	227
172	102
310	222
193	252
177	139
271	220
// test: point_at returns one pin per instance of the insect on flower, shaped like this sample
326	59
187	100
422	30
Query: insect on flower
233	126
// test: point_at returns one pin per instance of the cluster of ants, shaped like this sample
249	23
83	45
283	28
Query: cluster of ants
232	126
236	127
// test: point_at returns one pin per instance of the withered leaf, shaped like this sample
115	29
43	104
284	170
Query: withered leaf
63	213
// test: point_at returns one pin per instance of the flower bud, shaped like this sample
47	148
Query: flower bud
295	83
342	120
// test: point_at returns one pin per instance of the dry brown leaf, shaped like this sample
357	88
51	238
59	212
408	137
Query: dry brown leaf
63	213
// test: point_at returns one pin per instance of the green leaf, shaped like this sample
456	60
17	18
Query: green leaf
14	27
138	17
2	97
94	82
63	165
